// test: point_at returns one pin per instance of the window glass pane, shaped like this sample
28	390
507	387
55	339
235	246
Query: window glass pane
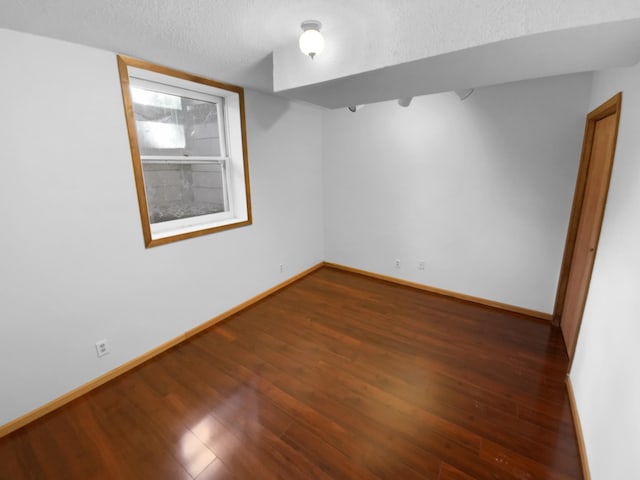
178	190
173	125
157	135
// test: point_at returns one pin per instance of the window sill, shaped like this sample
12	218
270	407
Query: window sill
174	235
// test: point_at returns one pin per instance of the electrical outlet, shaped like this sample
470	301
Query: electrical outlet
421	265
102	347
397	263
282	268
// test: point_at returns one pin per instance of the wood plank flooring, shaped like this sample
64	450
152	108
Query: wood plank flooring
338	376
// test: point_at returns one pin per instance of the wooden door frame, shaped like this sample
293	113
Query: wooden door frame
610	107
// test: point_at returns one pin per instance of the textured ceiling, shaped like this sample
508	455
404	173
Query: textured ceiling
547	54
235	40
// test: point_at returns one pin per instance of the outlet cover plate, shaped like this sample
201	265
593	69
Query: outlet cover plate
102	347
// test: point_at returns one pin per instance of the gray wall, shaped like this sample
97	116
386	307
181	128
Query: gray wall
605	368
480	190
74	268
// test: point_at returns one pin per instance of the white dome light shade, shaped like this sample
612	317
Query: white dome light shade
311	41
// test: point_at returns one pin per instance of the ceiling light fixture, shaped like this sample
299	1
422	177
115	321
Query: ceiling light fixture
311	41
405	102
464	94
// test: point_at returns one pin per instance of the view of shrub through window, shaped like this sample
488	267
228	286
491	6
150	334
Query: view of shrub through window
182	153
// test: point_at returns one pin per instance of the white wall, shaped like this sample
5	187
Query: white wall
73	267
481	190
605	369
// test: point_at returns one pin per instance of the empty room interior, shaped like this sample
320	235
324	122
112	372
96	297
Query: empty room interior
320	239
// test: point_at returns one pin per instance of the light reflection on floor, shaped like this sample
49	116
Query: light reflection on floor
195	455
242	406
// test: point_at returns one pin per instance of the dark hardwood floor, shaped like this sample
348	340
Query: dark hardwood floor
337	376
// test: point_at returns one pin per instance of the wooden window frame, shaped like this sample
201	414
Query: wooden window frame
244	218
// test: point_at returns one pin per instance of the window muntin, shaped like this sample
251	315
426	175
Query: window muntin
188	148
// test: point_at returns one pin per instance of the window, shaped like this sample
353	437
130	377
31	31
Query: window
188	147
